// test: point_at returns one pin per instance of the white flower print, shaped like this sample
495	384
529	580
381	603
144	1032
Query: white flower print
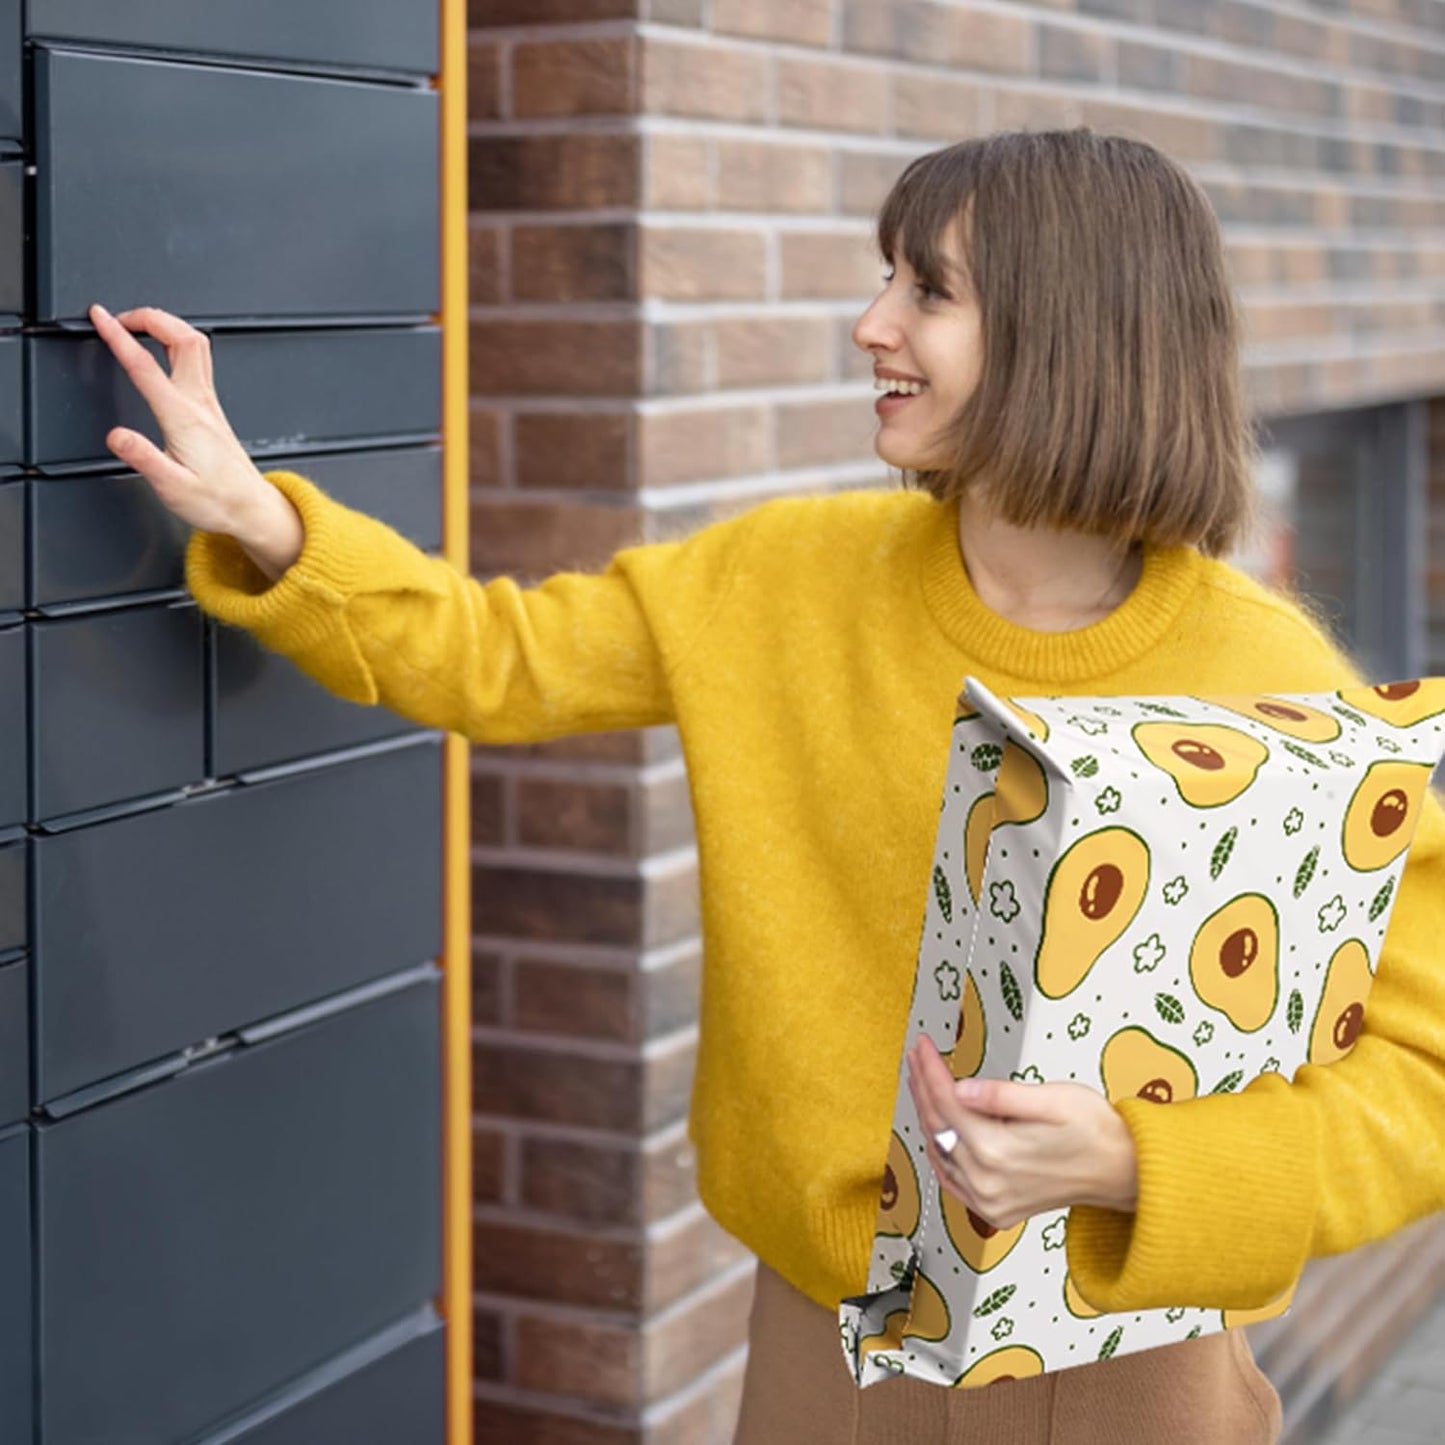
1053	1233
1108	801
1332	914
948	980
1149	954
1078	1026
1001	901
1294	820
1030	1075
1175	889
1002	1328
1203	1033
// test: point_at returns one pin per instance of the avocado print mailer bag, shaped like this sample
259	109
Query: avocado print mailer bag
1154	896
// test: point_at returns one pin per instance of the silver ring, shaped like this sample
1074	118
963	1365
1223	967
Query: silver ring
946	1139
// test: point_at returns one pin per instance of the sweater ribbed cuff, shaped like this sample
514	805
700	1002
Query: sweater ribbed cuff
1225	1209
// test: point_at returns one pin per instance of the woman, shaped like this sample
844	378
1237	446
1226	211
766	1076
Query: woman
1059	338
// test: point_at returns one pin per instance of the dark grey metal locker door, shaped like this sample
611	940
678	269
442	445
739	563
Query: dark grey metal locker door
14	901
393	35
12	399
259	1213
12	242
14	1043
12	726
159	930
282	390
118	706
16	1347
12	547
400	486
268	711
394	1398
215	192
12	96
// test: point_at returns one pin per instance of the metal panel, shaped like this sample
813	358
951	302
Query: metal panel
370	34
268	711
16	1353
12	94
12	242
262	1212
282	391
119	706
14	897
316	198
396	1396
12	546
14	1043
12	726
159	930
107	536
12	398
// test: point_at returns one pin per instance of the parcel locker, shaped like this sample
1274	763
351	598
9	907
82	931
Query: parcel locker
328	387
12	549
12	92
118	702
388	1397
224	192
12	727
12	399
390	35
12	242
14	902
16	1346
259	1213
14	1043
159	930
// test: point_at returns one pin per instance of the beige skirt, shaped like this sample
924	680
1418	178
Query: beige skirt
797	1391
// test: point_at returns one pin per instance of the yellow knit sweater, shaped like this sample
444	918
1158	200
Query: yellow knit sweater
809	652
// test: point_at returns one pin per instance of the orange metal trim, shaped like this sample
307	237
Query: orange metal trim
457	923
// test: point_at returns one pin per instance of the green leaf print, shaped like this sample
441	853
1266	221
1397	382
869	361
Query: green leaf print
1229	1083
1349	716
1382	900
1306	871
1159	707
1306	754
986	757
1192	1333
1112	1343
943	893
1222	850
1085	767
996	1301
1012	997
1294	1011
1170	1009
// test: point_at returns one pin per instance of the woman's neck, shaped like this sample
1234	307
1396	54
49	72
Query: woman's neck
1044	580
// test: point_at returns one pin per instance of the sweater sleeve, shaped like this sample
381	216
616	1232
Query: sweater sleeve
375	620
1237	1192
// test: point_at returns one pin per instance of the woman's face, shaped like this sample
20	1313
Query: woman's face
932	337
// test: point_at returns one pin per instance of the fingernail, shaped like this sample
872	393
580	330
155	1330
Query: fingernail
101	309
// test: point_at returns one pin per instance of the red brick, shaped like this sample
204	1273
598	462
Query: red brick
496	1422
666	815
940	107
489	1148
578	358
831	95
687	1256
1066	53
552	172
690	13
535	539
487	1344
587	817
585	449
773	350
573	263
689	446
559	1265
706	1415
677	359
484	453
562	1355
816	433
576	1002
575	77
936	34
484	80
486	808
1185	137
698	1333
766	176
708	81
669	1178
687	263
865	178
514	1081
1020	109
678	172
483	276
819	264
805	22
582	1180
670	994
482	13
487	969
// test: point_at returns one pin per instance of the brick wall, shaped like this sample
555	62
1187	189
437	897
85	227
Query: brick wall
1435	550
671	205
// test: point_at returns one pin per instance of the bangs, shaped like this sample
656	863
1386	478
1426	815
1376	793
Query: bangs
926	202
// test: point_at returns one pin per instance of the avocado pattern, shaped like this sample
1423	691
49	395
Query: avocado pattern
1160	898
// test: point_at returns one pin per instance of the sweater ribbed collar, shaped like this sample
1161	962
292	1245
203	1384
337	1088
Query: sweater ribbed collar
1169	575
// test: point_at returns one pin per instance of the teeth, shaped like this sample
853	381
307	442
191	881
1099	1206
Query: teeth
897	388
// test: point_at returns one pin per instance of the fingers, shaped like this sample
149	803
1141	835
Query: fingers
167	476
187	350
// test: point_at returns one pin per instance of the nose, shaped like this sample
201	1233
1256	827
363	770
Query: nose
877	326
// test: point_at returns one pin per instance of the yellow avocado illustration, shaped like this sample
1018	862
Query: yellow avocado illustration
1284	715
1210	764
1381	818
967	1052
1401	704
1076	1303
1030	720
926	1318
1012	1362
898	1204
1341	1011
1093	893
1134	1064
976	832
978	1242
1022	791
1234	963
1275	1307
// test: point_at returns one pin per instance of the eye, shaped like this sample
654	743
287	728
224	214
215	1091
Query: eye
927	293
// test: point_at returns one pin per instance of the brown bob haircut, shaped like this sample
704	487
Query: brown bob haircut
1109	400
